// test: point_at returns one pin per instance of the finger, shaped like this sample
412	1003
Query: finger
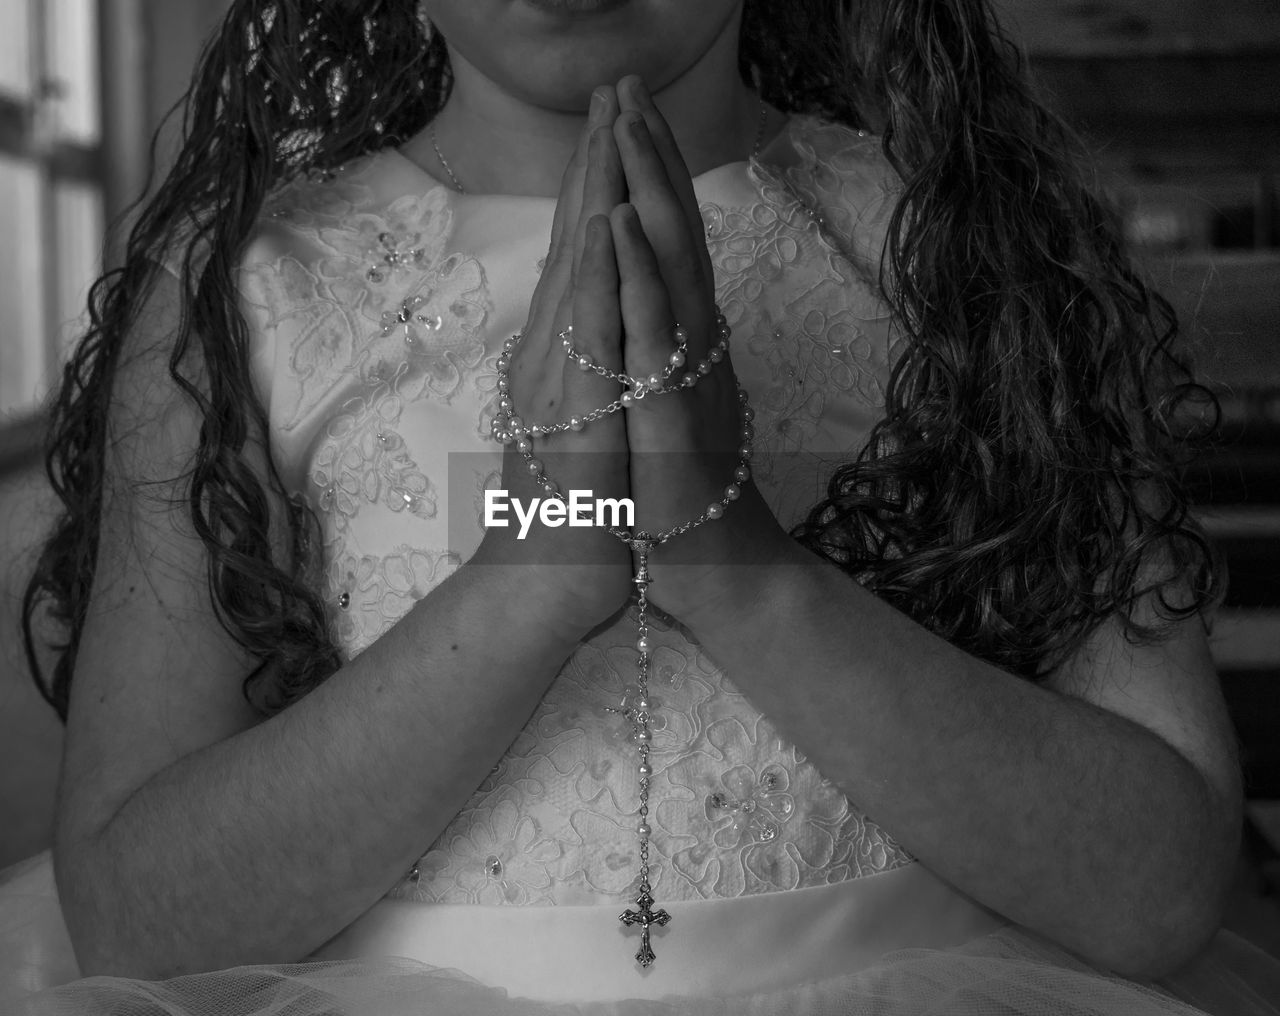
603	110
633	95
602	189
556	272
679	260
649	322
597	321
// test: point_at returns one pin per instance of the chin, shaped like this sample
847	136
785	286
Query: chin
555	52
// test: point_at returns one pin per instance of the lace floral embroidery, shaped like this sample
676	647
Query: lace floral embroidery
372	311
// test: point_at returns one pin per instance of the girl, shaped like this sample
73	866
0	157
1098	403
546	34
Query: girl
902	649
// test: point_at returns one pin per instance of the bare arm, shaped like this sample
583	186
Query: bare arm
1101	809
193	836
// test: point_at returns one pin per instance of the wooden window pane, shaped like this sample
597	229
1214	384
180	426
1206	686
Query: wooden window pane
23	343
15	48
78	215
71	55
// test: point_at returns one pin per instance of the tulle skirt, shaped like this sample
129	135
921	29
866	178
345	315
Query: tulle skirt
1003	971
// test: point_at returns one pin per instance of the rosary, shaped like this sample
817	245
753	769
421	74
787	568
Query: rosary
509	428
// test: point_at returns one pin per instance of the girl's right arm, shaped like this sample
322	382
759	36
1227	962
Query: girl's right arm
191	834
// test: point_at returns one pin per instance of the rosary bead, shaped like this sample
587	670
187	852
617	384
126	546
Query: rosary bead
575	423
742	474
535	467
506	437
676	359
643	830
732	492
505	404
681	335
644	769
644	645
584	363
654	381
704	368
715	354
627	399
689	380
504	385
517	424
503	363
524	445
715	510
510	344
551	487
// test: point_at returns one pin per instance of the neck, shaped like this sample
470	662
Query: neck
497	143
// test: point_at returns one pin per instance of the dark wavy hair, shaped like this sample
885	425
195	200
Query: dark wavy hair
1020	489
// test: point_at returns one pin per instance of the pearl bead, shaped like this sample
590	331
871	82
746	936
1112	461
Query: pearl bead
681	335
745	449
506	437
742	474
715	355
584	363
642	703
504	362
732	492
654	382
747	432
643	736
645	769
725	332
524	445
748	414
627	399
689	380
715	510
704	368
742	397
644	645
551	487
575	423
510	344
504	385
505	404
517	424
643	830
535	467
676	359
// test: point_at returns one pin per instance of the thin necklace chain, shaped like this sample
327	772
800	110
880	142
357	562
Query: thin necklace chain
453	178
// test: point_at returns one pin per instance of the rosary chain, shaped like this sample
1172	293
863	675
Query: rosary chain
509	428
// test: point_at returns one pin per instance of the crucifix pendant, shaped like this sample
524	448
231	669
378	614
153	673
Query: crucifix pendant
644	915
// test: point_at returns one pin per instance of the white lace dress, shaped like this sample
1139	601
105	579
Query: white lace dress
379	301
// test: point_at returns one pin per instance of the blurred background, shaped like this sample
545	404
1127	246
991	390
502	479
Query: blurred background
1179	101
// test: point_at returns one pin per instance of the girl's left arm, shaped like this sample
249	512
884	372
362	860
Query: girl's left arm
1100	808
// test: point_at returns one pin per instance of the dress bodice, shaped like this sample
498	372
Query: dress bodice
379	300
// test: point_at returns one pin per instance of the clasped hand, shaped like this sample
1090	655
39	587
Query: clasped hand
628	263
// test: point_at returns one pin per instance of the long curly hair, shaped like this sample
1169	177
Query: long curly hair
1020	489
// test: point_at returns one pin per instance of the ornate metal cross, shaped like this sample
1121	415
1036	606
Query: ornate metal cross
644	915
